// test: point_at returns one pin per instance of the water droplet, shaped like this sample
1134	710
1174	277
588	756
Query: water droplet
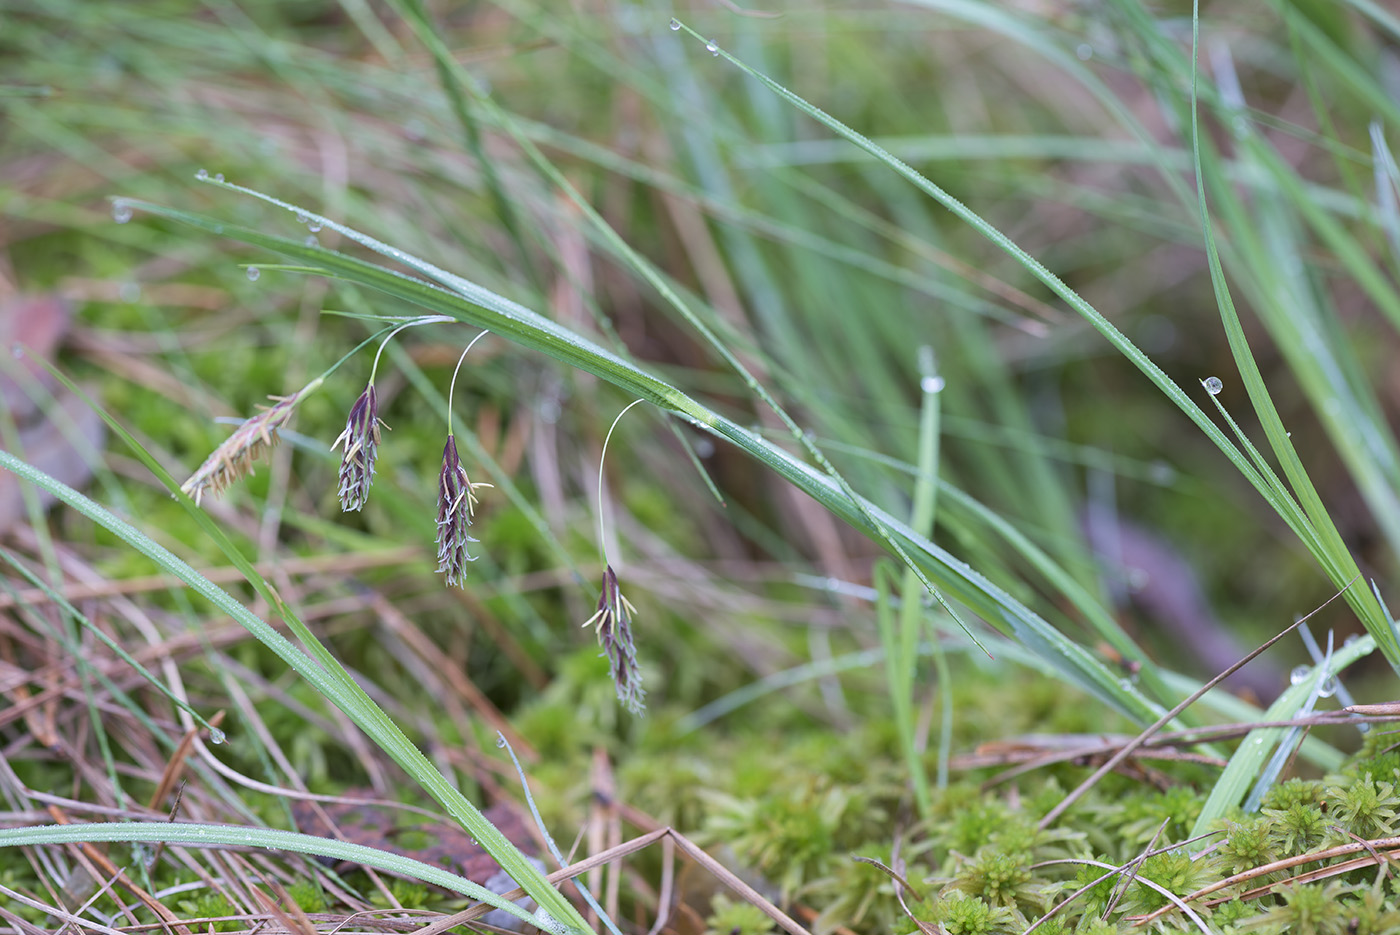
1328	688
712	48
311	241
219	177
313	225
704	448
253	273
1085	51
1125	683
202	174
675	24
121	213
17	352
129	292
547	923
216	736
1350	640
302	217
1213	385
500	740
1299	673
932	385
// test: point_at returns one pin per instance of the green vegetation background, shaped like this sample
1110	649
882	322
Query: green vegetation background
857	301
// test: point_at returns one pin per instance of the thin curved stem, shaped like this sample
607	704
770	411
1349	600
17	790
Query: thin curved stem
425	320
602	459
451	387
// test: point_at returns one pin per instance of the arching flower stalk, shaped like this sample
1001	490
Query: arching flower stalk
361	435
456	499
613	619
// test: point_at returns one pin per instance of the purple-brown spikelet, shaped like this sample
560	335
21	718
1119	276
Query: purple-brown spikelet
234	458
614	623
456	501
361	440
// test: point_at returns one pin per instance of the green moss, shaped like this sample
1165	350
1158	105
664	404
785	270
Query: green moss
209	905
1313	908
308	895
406	893
1366	807
1248	844
732	917
960	914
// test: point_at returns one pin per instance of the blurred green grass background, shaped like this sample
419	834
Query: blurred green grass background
1065	125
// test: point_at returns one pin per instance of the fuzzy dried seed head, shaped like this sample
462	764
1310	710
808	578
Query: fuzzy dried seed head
234	458
614	623
361	441
456	501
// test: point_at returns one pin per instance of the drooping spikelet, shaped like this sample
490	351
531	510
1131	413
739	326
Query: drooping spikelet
234	458
614	623
361	441
456	501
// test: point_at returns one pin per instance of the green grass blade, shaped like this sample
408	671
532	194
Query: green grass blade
1254	751
334	683
471	303
1327	547
206	835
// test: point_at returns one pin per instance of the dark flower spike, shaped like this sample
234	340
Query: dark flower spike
361	441
361	435
249	442
456	497
614	623
456	502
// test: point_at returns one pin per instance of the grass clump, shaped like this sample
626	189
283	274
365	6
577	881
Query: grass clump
906	537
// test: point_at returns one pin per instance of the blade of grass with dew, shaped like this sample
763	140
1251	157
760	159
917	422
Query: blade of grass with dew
1253	752
82	445
911	612
208	835
1325	542
1321	537
900	666
1312	523
60	601
962	508
782	231
1288	742
324	674
1268	253
871	519
67	627
472	303
583	891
